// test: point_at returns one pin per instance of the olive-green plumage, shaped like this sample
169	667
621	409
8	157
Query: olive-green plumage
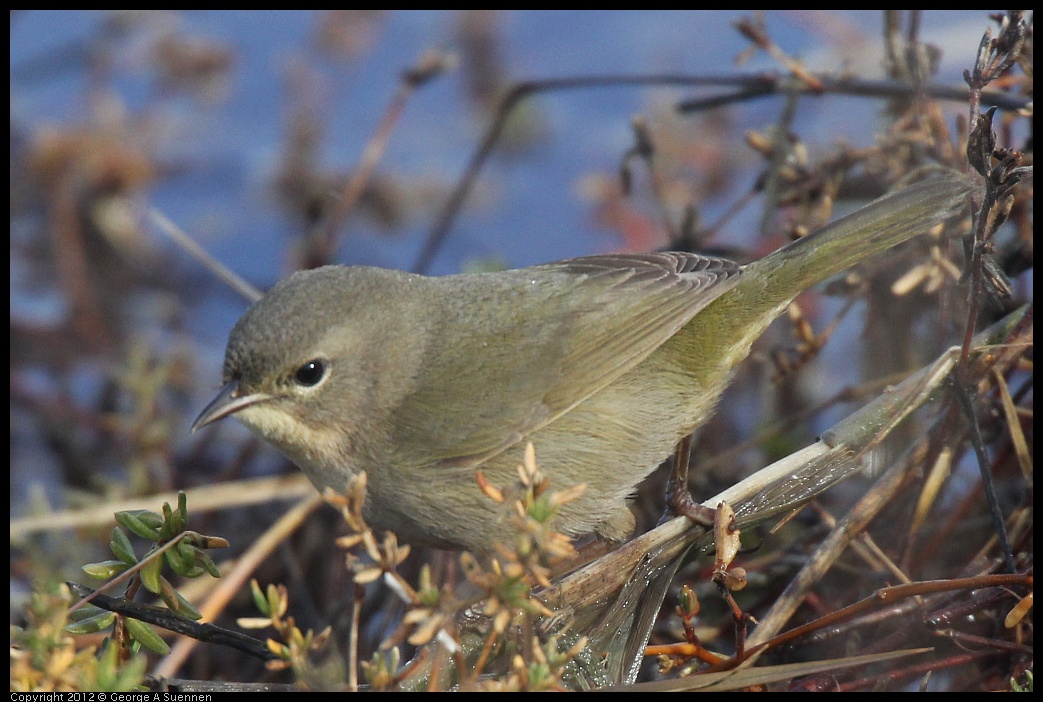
603	362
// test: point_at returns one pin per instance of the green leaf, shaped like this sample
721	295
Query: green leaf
169	595
260	601
147	516
92	624
169	530
146	636
208	563
134	523
150	575
186	608
122	548
105	569
176	561
182	511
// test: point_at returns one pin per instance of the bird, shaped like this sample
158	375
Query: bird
603	362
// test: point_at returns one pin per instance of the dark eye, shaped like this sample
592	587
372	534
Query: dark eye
309	374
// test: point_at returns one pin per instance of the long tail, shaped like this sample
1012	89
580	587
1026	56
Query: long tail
719	336
883	223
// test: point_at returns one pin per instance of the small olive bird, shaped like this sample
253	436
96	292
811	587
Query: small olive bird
603	362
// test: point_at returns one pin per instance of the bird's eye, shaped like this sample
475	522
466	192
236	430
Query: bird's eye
311	373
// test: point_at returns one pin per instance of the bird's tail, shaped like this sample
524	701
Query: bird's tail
880	225
720	336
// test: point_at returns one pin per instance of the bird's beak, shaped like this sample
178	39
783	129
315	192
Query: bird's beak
228	401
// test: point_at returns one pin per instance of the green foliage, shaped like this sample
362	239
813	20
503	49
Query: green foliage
171	543
45	657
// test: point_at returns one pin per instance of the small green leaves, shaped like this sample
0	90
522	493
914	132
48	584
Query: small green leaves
381	670
182	560
170	542
116	675
140	522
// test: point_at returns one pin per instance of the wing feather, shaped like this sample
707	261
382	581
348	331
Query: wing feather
529	345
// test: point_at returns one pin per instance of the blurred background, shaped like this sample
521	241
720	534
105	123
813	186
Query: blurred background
286	139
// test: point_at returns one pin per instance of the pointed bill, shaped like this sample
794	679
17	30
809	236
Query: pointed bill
228	401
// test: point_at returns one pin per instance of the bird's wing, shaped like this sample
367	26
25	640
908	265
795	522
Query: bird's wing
534	343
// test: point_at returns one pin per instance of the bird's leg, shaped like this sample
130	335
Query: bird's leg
679	500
